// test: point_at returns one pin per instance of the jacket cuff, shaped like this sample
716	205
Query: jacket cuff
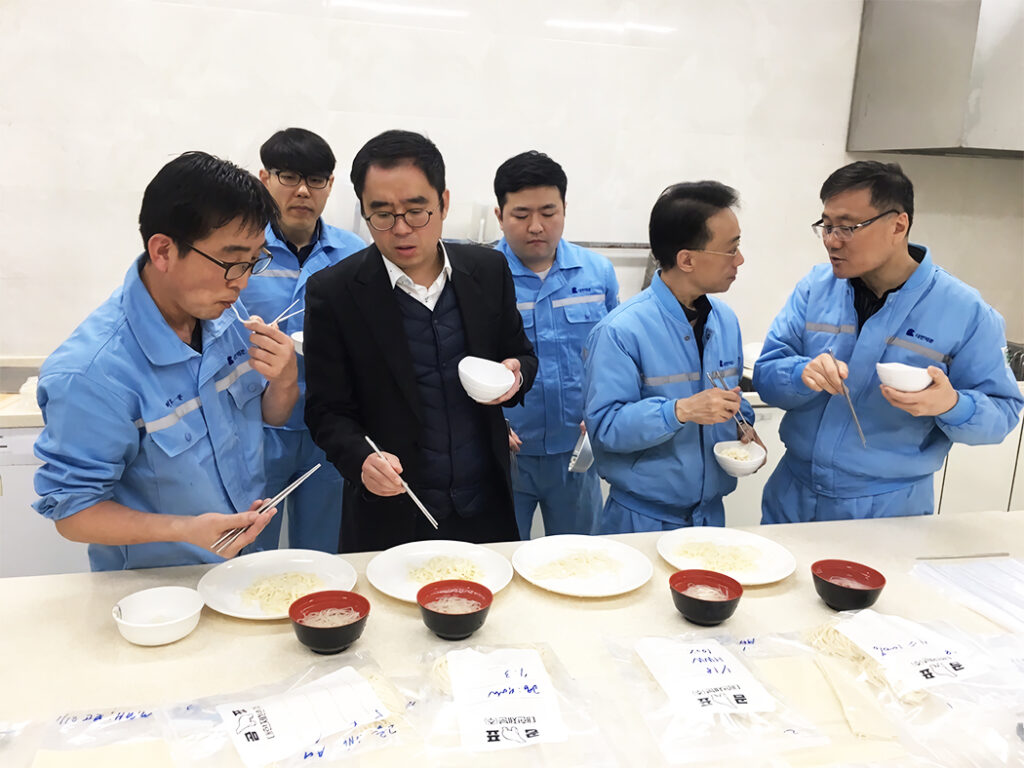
959	413
668	414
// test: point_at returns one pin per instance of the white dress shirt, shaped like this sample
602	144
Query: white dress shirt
427	296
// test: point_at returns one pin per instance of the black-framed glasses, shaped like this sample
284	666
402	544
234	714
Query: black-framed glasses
844	232
293	179
416	218
236	269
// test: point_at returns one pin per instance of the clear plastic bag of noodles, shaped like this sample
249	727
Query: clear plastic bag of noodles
342	709
505	706
703	703
955	698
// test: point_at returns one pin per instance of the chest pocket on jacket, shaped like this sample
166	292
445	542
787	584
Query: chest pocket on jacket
526	309
181	429
583	309
243	384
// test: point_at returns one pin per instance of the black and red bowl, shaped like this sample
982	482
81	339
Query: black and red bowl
454	626
329	640
845	585
699	610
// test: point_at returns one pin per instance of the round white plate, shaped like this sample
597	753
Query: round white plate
222	587
389	571
634	571
774	562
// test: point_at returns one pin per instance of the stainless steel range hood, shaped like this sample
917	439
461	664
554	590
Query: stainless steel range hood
940	77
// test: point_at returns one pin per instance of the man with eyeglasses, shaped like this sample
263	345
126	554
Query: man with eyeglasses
882	299
154	406
652	410
563	290
385	332
298	170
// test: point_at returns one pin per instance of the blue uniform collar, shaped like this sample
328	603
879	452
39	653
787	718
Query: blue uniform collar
923	274
158	341
668	300
565	258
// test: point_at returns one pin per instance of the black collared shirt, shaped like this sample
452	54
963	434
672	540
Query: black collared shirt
196	342
864	299
698	317
300	253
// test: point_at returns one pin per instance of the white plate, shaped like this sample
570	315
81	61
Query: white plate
774	562
389	571
222	587
634	571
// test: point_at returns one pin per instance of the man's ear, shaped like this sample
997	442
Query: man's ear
684	260
162	251
444	205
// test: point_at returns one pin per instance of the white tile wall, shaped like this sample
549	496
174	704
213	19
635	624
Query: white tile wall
97	96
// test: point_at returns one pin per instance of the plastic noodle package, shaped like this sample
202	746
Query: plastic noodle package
505	706
333	710
952	696
704	705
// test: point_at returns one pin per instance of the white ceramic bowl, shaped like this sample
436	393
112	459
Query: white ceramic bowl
484	380
158	616
297	338
905	378
739	467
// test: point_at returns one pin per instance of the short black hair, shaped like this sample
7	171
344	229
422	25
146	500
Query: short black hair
394	147
889	185
525	170
679	219
298	150
196	193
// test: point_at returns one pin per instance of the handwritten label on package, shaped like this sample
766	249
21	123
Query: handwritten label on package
293	723
504	699
912	657
702	676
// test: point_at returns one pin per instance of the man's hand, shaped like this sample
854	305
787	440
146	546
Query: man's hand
513	365
272	353
380	476
204	530
933	400
747	434
709	406
825	374
514	441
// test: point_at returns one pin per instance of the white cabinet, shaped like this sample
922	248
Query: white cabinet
981	476
29	543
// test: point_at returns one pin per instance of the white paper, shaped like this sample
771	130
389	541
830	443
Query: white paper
994	588
504	699
702	676
288	724
912	657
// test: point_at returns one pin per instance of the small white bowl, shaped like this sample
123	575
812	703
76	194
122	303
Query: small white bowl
905	378
158	616
297	339
484	380
739	467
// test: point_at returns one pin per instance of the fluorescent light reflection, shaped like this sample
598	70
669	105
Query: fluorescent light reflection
399	10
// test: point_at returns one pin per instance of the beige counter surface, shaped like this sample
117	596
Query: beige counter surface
15	411
60	650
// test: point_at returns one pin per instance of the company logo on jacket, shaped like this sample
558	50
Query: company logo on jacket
915	335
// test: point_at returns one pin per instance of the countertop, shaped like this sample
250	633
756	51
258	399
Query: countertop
60	650
16	411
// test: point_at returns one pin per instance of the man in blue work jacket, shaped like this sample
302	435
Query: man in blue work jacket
562	291
653	415
880	298
298	170
154	406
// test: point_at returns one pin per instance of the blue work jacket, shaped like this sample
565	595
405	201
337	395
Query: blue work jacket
135	415
934	319
639	361
271	291
558	314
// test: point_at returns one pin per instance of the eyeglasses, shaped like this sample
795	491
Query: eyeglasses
293	179
844	233
236	269
731	254
416	218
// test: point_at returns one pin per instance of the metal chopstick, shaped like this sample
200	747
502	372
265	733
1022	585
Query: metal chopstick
405	485
714	383
849	402
231	535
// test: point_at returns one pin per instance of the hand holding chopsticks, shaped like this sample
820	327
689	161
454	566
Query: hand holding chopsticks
225	541
405	485
849	402
716	379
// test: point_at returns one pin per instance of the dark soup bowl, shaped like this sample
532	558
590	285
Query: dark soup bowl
704	597
329	621
845	585
454	609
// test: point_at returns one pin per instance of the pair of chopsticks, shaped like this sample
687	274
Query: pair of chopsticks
225	541
405	485
849	401
716	379
279	319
